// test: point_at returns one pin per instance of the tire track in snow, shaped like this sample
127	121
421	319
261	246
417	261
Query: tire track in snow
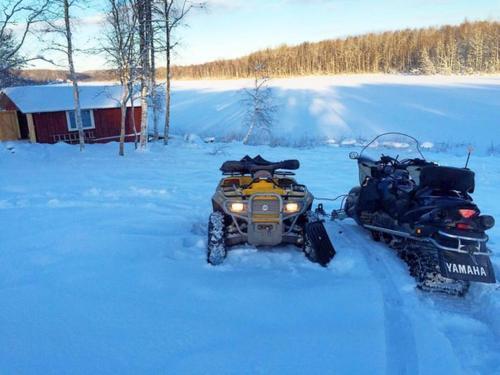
401	350
467	323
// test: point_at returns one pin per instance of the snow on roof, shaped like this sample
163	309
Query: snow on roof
53	98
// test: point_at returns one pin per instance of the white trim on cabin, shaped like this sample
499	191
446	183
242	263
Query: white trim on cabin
92	121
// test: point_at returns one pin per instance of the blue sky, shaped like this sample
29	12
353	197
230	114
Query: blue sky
232	28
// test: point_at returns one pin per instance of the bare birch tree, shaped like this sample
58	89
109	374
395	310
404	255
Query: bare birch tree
64	45
155	107
260	107
23	15
121	49
144	12
172	14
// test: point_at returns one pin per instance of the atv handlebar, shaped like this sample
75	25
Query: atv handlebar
252	165
285	164
402	164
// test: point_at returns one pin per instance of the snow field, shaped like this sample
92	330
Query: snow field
102	270
444	112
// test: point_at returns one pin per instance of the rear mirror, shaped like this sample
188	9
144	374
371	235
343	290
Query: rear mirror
353	155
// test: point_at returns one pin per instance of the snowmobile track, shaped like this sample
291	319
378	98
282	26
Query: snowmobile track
399	331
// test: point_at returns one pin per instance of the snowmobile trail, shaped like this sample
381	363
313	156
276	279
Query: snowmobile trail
466	324
401	351
459	323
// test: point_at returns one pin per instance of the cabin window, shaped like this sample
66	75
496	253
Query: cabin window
87	120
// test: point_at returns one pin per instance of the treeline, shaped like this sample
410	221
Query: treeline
53	75
471	47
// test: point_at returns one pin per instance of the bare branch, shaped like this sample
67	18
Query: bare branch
22	14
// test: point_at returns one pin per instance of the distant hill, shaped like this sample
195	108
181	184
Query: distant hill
471	47
50	75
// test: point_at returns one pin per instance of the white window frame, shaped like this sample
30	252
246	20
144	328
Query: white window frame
92	121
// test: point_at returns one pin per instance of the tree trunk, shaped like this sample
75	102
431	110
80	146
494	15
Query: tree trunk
249	133
123	120
153	89
167	91
132	112
144	117
72	75
145	44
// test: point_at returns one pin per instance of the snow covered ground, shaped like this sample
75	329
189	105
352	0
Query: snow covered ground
448	111
102	270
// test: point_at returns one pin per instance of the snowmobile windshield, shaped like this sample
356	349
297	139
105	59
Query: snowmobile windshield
399	146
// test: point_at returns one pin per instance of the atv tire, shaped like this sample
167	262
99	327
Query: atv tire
216	248
317	245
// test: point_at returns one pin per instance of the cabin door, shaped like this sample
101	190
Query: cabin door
23	125
9	126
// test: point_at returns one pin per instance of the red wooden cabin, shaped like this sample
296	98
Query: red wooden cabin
45	114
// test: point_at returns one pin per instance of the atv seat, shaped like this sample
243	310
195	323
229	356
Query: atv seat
447	178
249	165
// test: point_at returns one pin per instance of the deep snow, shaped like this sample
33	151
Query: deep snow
102	270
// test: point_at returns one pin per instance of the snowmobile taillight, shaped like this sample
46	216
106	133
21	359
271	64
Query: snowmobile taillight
291	207
467	213
463	226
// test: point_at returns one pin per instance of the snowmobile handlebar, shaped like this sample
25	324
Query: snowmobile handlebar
389	160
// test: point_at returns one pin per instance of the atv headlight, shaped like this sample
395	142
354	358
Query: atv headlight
237	207
292	207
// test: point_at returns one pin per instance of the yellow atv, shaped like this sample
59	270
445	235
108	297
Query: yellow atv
260	203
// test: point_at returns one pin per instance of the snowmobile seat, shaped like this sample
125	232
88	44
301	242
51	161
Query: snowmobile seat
447	178
249	165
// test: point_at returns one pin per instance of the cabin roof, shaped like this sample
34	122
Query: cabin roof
55	98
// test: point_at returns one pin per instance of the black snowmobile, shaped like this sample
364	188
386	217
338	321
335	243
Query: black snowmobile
260	203
426	213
